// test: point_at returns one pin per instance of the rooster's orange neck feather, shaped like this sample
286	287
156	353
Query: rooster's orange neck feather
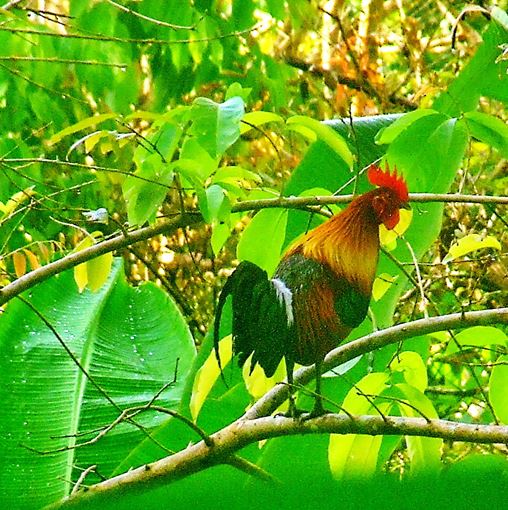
348	243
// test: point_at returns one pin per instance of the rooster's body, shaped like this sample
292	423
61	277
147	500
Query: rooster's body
320	290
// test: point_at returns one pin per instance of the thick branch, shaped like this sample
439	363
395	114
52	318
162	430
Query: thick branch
255	425
121	241
228	441
32	278
274	398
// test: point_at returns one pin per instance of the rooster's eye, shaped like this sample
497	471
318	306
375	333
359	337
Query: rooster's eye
379	204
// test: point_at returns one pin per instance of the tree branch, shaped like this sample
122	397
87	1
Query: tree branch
302	202
241	433
255	425
36	276
274	398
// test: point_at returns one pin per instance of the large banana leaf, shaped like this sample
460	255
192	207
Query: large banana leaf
128	339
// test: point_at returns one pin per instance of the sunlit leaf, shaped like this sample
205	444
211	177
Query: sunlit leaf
498	383
477	336
257	383
16	200
412	366
94	272
82	124
208	374
388	238
269	225
326	134
424	452
470	243
389	133
234	174
81	270
98	270
346	450
381	284
258	118
220	234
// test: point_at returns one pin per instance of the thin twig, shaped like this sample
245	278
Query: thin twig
149	19
56	60
81	478
129	40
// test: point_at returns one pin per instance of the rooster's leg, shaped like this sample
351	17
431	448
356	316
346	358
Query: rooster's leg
318	408
292	411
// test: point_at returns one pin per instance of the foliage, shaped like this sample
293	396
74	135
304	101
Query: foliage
190	110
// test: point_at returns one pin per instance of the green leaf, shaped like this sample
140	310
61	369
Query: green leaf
497	389
270	226
236	89
146	189
388	134
128	339
412	366
258	118
215	204
82	124
470	243
478	336
324	133
424	452
481	76
220	234
234	174
488	129
216	126
204	164
349	453
381	284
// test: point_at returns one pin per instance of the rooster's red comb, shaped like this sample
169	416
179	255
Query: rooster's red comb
387	180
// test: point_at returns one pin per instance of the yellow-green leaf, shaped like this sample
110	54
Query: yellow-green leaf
254	119
381	284
355	455
326	134
98	270
16	200
342	449
257	383
81	271
208	374
470	243
82	124
412	366
424	452
497	389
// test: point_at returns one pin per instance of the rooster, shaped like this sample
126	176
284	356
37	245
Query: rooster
320	290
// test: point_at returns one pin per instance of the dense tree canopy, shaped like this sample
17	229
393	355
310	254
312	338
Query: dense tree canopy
146	147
